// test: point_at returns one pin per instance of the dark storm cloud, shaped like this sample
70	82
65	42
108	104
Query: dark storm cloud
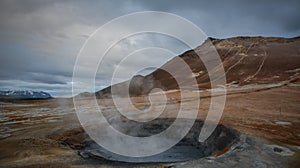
39	40
35	77
237	17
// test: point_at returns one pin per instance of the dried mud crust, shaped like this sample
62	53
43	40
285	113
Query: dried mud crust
189	148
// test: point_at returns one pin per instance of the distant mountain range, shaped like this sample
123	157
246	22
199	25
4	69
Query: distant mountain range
24	94
246	61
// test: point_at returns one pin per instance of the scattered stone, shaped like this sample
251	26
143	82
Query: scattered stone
277	149
283	123
259	164
283	151
5	135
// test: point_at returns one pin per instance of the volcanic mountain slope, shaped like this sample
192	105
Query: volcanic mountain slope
246	60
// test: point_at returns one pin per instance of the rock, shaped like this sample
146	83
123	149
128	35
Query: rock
283	123
281	150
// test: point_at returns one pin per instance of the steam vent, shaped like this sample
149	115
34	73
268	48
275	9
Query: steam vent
189	148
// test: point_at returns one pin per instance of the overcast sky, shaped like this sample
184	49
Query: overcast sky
41	39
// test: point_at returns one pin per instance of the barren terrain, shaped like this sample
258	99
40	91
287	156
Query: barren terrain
48	133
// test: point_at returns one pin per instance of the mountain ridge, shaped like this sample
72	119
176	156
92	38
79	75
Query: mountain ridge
23	94
246	60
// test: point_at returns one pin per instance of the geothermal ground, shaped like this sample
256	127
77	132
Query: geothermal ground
261	125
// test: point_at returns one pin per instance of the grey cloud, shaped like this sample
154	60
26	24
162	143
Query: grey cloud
39	40
236	17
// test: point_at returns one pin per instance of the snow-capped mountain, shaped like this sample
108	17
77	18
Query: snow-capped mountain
24	94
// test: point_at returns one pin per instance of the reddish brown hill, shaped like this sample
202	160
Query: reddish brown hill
246	60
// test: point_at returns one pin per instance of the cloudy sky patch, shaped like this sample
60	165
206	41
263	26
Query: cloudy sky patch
41	39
